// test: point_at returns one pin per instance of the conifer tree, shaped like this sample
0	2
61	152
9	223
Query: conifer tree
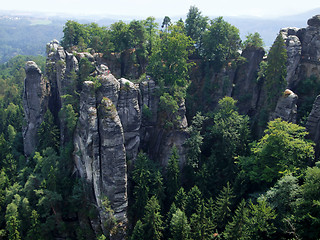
276	72
152	220
222	209
180	228
193	201
238	228
138	233
180	199
173	174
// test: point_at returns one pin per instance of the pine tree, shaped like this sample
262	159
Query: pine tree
48	133
193	201
180	228
173	174
238	228
152	220
180	199
138	233
201	222
222	209
276	72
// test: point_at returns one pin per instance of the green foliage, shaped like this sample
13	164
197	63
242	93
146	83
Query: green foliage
276	72
173	174
180	228
48	133
152	220
283	195
307	211
168	63
194	142
282	149
195	26
138	233
220	43
226	139
222	211
253	40
238	228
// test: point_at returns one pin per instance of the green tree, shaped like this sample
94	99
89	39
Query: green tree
152	220
226	139
13	222
151	33
180	228
276	72
307	210
253	40
196	25
282	149
194	142
220	43
48	133
168	63
201	222
261	221
222	211
193	201
173	175
138	233
180	199
142	179
238	228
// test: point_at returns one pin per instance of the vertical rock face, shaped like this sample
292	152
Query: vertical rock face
292	41
286	108
313	125
35	105
245	88
129	112
113	172
100	155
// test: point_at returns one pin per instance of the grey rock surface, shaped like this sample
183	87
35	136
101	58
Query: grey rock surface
35	96
286	108
128	108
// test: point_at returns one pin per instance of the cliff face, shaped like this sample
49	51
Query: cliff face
111	128
35	101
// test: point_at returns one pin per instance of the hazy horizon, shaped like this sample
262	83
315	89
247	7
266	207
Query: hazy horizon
143	8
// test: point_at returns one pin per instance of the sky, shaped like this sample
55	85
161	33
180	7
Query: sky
160	8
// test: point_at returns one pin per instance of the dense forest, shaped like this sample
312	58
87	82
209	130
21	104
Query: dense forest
245	177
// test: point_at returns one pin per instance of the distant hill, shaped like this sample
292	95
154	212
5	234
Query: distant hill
27	34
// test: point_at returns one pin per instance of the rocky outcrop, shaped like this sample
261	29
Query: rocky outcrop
128	108
35	96
313	125
246	89
293	46
286	108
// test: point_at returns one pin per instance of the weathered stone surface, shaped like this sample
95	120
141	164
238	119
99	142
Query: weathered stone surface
314	21
113	159
245	87
129	112
313	125
286	108
35	97
99	154
293	46
110	87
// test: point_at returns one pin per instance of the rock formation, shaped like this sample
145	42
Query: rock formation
313	125
117	118
286	108
35	97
